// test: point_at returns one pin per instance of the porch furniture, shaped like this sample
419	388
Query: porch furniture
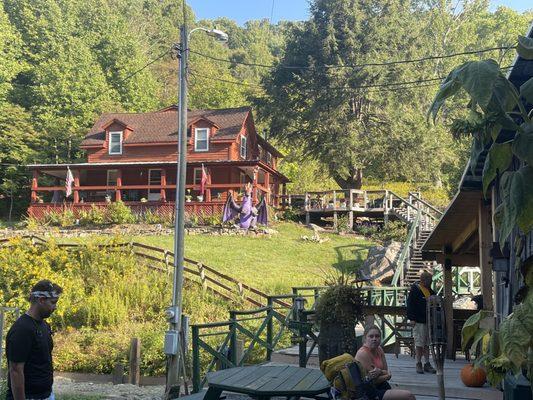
404	338
263	382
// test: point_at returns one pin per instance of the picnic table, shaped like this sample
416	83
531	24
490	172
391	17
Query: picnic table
263	382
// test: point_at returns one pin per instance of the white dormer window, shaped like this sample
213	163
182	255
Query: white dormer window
243	146
201	139
115	142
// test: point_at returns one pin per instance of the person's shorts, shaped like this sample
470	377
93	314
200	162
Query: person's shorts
420	334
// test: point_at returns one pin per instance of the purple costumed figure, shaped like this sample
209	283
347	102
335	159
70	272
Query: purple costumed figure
249	215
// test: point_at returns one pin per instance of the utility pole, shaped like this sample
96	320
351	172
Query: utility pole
173	347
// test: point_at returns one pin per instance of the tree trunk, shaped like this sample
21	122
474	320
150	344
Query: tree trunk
353	181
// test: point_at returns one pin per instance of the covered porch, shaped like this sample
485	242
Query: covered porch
152	185
464	237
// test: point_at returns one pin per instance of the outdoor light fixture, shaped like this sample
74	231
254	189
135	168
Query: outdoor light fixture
500	258
216	33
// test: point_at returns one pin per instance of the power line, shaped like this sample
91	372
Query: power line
380	64
392	86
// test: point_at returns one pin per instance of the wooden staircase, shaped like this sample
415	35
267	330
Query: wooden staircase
421	217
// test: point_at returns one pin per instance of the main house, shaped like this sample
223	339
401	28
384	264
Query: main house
132	157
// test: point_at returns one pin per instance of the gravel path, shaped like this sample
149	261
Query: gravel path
108	390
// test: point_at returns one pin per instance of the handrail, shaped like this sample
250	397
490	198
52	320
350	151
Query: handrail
412	205
405	251
426	203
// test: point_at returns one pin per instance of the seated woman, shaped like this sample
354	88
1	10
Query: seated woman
372	358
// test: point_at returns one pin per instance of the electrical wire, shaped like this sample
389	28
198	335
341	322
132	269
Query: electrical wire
380	64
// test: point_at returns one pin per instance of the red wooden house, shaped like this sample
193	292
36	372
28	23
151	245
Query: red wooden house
132	157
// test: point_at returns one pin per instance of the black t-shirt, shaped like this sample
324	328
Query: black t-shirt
30	341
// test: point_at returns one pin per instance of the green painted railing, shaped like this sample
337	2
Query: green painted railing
272	322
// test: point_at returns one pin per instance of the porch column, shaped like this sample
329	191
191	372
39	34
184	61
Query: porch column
448	306
118	196
34	186
208	190
267	185
75	189
163	196
284	202
254	186
485	243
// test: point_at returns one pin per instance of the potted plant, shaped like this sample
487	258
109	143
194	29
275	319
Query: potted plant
338	311
188	197
200	197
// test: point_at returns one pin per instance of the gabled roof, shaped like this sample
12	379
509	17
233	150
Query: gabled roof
162	126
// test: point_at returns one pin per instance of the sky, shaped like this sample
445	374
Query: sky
244	10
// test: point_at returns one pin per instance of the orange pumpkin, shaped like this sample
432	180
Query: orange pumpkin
473	376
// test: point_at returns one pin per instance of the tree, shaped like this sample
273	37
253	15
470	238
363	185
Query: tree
18	144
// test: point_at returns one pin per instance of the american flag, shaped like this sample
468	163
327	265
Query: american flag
203	181
69	180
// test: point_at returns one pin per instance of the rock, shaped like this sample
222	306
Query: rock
380	262
316	228
465	303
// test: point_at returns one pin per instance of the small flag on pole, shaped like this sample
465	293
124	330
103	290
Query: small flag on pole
69	180
203	181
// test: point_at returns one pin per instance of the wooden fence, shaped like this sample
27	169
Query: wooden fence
162	260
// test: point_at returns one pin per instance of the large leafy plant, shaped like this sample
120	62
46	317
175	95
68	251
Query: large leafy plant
498	120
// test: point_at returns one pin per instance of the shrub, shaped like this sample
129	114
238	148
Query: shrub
289	214
119	213
93	216
394	230
343	223
61	218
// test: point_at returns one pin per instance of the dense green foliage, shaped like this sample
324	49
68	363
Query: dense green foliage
380	132
109	297
499	121
62	63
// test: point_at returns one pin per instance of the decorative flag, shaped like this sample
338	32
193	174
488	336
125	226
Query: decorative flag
69	180
203	181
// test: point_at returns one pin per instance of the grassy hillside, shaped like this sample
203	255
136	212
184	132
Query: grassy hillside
273	263
111	297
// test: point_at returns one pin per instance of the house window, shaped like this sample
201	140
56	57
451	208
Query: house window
197	178
115	142
112	175
201	139
154	179
243	146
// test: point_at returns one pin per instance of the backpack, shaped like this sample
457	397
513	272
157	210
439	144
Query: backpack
347	377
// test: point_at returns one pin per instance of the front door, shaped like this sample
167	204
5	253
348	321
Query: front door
154	179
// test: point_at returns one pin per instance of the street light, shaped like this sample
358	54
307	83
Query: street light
173	348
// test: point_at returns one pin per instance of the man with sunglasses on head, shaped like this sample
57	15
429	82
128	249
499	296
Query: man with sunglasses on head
29	347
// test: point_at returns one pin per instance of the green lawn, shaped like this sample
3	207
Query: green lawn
274	263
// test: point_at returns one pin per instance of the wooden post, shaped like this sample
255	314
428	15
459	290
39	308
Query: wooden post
267	185
208	190
163	193
135	361
34	185
365	199
386	207
448	307
485	244
254	190
118	194
284	193
75	190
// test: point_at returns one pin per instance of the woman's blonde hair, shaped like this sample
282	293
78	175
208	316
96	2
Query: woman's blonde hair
369	328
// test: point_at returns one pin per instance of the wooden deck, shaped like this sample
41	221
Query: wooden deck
404	376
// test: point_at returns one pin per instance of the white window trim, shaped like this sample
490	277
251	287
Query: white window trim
150	173
196	139
121	133
194	176
245	147
107	180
